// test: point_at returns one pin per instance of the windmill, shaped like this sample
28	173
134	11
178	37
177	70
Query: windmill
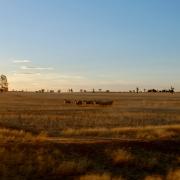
3	83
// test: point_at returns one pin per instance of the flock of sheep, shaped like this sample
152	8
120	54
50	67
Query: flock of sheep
89	102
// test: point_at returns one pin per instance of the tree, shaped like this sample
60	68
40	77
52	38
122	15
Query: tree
172	90
137	90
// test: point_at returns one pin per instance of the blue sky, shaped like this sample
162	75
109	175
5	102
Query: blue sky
108	44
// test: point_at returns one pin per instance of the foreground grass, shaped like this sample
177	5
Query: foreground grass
27	156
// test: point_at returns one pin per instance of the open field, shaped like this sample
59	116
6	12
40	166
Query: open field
138	137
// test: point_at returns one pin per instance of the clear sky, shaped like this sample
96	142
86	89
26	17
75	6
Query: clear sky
108	44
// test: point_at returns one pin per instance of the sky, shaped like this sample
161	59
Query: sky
84	44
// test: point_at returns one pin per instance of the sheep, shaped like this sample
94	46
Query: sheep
67	101
104	102
78	102
89	102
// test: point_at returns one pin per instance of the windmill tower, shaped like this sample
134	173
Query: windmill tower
3	83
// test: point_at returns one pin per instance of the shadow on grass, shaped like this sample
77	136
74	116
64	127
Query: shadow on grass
148	158
50	160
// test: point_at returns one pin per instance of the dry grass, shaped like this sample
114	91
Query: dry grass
121	156
143	132
146	133
174	174
73	167
154	177
47	112
99	177
96	177
7	135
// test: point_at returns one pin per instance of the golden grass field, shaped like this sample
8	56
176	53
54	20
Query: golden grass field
136	138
